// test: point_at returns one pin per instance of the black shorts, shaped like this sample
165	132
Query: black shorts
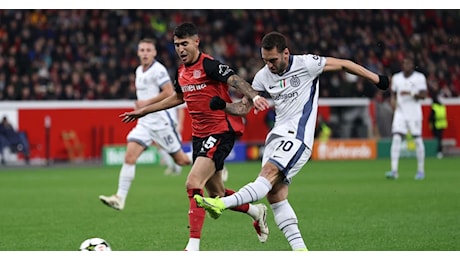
216	147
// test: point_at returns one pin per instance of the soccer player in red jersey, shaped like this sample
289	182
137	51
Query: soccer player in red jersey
199	78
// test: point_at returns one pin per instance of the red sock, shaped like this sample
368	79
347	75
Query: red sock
195	214
242	208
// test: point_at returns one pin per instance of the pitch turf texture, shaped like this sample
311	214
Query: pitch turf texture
341	206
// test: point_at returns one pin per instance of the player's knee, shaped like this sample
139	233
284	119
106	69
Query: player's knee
275	196
270	171
181	159
130	159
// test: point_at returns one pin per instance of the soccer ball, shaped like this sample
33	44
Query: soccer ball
95	244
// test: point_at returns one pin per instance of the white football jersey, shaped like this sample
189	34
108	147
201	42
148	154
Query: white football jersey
148	85
406	104
295	94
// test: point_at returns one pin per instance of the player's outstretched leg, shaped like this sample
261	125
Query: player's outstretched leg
214	206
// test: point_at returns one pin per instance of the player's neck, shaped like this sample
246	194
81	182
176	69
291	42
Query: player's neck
145	67
408	73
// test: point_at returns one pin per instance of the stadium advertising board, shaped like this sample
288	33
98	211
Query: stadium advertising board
115	155
347	149
96	124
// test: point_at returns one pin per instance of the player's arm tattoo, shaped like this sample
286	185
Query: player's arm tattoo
240	108
242	86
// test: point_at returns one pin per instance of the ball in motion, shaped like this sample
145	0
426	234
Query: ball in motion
95	244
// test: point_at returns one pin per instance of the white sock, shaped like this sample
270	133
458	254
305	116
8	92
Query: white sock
395	152
251	192
420	154
193	244
286	220
125	179
253	211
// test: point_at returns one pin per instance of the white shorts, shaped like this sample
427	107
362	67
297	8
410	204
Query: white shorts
168	139
287	153
404	125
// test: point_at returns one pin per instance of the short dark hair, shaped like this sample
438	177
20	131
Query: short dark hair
274	40
185	30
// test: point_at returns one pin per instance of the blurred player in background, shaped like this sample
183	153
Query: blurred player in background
16	141
153	84
438	122
292	81
199	78
408	88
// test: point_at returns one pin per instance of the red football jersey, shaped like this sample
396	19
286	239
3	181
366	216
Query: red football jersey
200	82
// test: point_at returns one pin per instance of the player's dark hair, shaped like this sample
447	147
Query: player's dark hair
274	40
185	30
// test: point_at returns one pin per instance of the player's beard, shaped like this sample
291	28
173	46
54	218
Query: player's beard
282	67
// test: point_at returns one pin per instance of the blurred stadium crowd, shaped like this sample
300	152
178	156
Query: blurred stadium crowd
91	54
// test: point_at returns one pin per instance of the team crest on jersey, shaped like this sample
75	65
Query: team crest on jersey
197	74
295	81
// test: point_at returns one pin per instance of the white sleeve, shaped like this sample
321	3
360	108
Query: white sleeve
162	76
314	64
257	83
423	85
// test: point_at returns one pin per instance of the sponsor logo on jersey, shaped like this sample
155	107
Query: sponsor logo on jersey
292	95
192	87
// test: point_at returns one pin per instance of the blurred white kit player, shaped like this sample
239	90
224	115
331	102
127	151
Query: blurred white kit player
408	88
160	127
153	84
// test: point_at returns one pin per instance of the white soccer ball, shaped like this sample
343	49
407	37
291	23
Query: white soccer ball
95	244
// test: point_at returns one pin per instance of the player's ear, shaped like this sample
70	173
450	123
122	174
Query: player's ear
286	51
197	40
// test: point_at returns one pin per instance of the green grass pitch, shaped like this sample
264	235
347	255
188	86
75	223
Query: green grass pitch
341	206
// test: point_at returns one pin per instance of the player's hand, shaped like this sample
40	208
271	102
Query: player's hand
384	82
217	103
405	93
260	103
131	116
413	92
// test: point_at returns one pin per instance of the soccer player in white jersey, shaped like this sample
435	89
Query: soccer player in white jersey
408	87
292	81
153	84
